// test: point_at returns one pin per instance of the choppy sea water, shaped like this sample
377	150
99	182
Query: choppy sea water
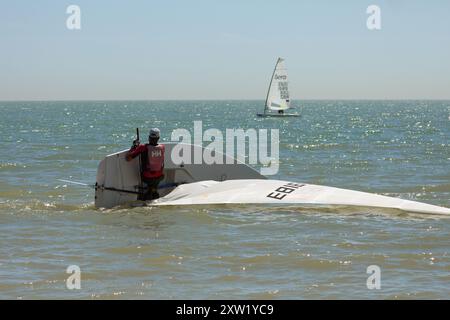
396	148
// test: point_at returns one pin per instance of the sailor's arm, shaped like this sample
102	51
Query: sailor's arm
135	151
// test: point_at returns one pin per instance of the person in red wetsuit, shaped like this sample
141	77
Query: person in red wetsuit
152	171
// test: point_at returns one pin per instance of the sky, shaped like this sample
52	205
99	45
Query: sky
210	49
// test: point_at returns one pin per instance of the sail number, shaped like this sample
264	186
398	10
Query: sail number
284	190
283	88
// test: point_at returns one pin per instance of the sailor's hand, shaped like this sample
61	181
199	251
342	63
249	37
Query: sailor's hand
136	143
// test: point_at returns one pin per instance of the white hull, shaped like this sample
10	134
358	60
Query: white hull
277	192
115	173
276	115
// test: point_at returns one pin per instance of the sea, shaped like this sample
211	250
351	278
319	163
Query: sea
49	227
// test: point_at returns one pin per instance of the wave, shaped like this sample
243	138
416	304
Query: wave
221	213
36	205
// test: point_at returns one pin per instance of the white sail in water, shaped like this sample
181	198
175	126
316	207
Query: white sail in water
278	94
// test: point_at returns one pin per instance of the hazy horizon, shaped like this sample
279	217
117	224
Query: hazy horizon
168	100
203	50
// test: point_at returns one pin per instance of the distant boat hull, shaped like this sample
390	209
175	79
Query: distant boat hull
277	115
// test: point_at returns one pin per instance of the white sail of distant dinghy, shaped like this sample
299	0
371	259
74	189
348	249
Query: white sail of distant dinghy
278	100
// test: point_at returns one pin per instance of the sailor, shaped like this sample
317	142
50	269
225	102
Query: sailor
152	162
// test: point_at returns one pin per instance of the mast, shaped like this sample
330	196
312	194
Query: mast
270	84
141	185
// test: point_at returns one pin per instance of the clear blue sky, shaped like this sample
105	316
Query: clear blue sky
223	49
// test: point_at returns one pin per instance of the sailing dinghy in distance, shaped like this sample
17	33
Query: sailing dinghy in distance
278	100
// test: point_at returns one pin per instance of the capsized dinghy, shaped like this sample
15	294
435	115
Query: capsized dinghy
201	184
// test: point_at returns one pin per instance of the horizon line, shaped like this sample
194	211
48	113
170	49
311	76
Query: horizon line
221	99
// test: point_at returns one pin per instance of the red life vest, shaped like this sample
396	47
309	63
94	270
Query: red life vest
155	161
